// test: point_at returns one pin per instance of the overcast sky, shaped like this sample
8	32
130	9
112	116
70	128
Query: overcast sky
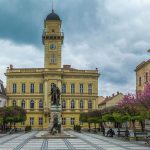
111	35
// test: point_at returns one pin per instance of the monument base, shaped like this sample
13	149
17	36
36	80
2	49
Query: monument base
46	135
55	120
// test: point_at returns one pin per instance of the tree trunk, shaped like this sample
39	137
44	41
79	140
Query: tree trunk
89	126
99	126
142	126
118	129
133	123
95	125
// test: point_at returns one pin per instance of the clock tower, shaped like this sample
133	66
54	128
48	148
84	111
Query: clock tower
52	39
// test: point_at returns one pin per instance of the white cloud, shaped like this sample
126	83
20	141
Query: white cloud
20	56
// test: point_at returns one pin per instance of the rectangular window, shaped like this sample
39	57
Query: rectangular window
41	104
89	88
23	104
72	88
63	121
72	104
14	88
140	81
41	88
90	104
53	59
64	88
31	121
32	88
72	121
63	104
146	77
81	88
23	88
40	121
81	104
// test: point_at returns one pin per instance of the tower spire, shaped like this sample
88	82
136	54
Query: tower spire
52	6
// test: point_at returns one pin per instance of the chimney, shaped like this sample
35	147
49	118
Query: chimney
118	93
11	67
66	66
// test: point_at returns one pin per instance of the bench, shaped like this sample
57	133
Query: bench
147	140
94	130
140	135
11	131
126	133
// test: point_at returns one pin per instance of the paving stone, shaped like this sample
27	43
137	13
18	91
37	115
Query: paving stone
83	142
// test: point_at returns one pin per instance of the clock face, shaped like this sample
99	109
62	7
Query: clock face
52	46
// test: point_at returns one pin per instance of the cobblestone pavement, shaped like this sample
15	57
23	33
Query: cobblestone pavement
84	141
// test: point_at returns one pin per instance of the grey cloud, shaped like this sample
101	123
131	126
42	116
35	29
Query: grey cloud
112	36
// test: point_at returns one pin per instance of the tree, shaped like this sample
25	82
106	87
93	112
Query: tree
129	106
9	115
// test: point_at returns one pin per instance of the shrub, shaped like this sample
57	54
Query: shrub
27	128
77	128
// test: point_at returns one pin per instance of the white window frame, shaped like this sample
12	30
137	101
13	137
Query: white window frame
81	88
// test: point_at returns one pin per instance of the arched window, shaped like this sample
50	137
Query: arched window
72	104
53	30
53	58
89	104
14	103
64	88
63	104
81	104
40	104
23	104
31	104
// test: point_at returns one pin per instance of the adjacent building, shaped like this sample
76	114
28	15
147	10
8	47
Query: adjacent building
3	98
111	101
142	75
30	87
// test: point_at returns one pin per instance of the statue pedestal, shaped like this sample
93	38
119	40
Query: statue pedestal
55	113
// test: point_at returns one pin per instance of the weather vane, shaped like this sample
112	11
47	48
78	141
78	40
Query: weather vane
52	4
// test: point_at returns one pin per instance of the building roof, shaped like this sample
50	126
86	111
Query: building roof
53	16
100	99
109	98
141	65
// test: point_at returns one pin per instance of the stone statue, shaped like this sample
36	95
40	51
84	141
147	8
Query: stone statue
56	126
55	94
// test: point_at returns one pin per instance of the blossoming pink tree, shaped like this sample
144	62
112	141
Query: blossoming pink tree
137	106
143	100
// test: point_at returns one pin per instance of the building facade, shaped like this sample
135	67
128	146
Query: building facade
30	87
142	75
111	101
3	98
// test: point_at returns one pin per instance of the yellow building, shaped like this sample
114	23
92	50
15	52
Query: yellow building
142	75
30	87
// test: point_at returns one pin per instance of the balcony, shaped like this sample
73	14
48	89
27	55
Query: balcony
52	36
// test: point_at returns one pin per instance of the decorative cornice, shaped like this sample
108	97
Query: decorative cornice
141	65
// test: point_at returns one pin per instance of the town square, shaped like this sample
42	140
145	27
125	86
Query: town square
74	75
